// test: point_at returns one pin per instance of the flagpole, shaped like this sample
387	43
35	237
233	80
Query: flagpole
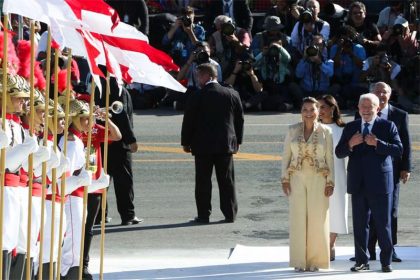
44	164
3	123
31	156
104	194
63	177
85	190
54	170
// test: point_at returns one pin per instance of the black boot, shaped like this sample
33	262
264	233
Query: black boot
73	273
17	267
86	275
46	271
7	260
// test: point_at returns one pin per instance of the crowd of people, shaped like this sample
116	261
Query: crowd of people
274	53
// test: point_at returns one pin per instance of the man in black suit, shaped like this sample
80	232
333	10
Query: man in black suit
238	10
401	166
212	131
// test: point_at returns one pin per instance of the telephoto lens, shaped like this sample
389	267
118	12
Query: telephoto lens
228	28
312	51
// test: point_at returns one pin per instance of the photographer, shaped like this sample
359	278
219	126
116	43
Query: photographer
200	55
348	58
183	36
389	14
380	67
366	33
244	80
314	71
272	67
227	43
272	33
288	11
402	43
308	25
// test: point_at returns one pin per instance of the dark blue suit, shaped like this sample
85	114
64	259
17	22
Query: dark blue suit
400	119
370	182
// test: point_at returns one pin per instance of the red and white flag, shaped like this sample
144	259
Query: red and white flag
80	25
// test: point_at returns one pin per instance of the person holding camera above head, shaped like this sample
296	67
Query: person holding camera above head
288	11
380	67
227	43
348	59
183	36
314	71
308	25
199	56
389	14
366	33
272	33
272	67
244	80
401	41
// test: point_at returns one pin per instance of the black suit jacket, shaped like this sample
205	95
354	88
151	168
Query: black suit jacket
242	15
213	121
400	119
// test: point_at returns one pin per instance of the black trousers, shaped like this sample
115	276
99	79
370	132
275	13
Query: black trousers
373	235
93	206
120	170
225	179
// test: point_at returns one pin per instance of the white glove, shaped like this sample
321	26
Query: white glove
74	182
53	162
61	167
42	155
4	139
16	155
101	183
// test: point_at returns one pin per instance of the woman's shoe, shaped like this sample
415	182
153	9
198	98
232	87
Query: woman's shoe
299	269
332	254
313	269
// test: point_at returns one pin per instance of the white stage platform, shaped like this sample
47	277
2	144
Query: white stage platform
244	262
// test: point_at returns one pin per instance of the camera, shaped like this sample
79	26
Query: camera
384	59
228	28
273	51
186	21
397	29
201	56
306	17
311	51
246	65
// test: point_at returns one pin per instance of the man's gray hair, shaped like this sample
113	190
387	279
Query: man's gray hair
207	68
369	96
387	87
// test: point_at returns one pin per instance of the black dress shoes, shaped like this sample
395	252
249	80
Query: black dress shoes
371	258
199	220
360	267
133	221
395	257
386	268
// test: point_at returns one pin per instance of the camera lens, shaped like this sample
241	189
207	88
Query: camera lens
273	51
397	29
228	28
311	51
306	17
246	66
186	21
201	57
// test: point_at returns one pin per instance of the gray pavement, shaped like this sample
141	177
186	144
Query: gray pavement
164	195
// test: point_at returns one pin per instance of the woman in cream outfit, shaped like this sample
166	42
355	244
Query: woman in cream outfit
329	114
308	180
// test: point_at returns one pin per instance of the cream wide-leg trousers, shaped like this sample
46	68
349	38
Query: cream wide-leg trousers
309	220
